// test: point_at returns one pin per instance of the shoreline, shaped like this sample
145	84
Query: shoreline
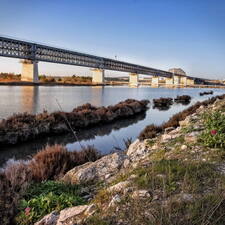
151	174
25	127
25	83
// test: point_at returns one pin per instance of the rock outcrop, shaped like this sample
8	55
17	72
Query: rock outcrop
96	171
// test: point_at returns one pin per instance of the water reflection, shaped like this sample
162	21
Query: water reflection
96	95
162	108
27	149
30	98
15	99
167	107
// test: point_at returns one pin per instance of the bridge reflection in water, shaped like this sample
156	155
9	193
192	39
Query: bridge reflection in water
29	98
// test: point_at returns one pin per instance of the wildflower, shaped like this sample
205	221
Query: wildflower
27	211
213	132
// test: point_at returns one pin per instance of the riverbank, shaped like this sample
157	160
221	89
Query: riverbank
112	83
175	176
26	83
23	127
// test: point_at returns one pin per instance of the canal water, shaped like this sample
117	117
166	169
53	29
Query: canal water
19	99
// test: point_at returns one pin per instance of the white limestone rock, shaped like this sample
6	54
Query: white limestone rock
136	151
119	187
75	215
95	171
50	219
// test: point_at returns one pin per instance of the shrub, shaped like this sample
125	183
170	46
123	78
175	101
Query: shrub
50	162
150	132
214	133
163	102
46	197
55	160
14	180
183	99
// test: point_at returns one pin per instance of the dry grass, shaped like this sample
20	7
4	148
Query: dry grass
54	161
14	180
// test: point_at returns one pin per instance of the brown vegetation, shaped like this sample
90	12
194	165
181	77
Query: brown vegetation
23	127
47	164
183	99
152	131
206	93
9	77
66	80
162	102
55	161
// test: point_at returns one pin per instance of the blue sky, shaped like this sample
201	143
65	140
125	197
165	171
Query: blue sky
161	34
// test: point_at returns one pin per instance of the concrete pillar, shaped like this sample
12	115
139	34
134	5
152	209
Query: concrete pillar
183	81
176	80
29	71
190	81
98	76
169	81
155	81
133	79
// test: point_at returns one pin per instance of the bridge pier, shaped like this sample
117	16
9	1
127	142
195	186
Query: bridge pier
169	81
184	81
190	81
29	71
176	80
155	81
98	76
133	79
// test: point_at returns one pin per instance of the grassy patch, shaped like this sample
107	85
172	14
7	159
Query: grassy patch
46	197
188	129
173	176
102	197
202	180
150	142
96	220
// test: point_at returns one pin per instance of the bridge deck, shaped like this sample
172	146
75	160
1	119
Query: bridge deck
37	52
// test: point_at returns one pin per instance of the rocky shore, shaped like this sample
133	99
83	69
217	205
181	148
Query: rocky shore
177	177
24	127
173	174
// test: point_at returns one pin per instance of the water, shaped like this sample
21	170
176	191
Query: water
15	99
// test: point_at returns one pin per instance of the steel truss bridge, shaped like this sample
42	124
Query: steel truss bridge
37	52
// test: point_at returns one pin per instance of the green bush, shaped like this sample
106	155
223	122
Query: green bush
214	133
45	197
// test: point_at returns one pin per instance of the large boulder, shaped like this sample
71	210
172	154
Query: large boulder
96	171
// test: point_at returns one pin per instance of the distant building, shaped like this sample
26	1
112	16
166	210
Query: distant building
177	71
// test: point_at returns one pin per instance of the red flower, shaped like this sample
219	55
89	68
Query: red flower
213	132
27	211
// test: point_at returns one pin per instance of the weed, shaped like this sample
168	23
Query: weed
214	133
44	198
176	176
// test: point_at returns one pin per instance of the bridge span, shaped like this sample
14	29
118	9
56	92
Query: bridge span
31	53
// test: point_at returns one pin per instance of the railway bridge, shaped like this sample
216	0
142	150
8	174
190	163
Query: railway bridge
31	53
